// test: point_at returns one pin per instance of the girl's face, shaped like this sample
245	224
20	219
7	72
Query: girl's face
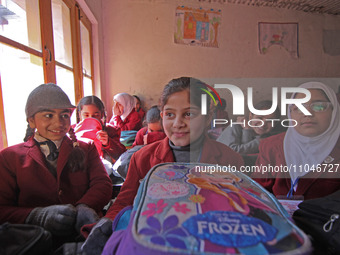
137	106
182	121
318	122
155	127
260	127
90	111
52	124
119	106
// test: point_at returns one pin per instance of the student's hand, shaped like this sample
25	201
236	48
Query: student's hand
145	139
85	215
103	137
58	219
98	237
116	110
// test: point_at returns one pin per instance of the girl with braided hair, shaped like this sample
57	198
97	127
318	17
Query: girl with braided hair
91	116
52	180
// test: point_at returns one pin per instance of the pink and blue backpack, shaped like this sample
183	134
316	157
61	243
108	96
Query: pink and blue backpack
186	209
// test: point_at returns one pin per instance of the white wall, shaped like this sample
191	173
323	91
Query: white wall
139	55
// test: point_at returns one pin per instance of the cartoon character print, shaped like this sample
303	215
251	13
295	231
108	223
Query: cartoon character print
219	186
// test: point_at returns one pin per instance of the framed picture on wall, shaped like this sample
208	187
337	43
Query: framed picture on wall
278	34
197	26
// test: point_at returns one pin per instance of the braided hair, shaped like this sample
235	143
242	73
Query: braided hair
29	133
51	96
76	160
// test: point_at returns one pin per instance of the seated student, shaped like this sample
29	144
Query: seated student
52	180
186	141
246	139
107	137
312	144
153	131
124	115
138	107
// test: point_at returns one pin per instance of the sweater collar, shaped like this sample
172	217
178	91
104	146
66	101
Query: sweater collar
190	147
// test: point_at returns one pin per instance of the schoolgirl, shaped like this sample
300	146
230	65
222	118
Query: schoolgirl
186	141
109	147
138	107
124	115
154	129
52	180
310	150
245	139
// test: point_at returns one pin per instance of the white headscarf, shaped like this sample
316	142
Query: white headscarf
303	150
127	101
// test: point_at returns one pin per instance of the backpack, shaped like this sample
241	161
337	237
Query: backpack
183	208
320	218
121	166
127	137
24	239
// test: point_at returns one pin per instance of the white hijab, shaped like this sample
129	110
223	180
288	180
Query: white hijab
127	101
303	150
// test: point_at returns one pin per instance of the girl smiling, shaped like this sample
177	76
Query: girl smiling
186	141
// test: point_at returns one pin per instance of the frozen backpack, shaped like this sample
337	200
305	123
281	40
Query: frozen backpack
204	209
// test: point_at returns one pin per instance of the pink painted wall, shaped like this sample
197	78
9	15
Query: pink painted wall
139	55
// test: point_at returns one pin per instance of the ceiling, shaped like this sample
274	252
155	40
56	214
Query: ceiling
313	6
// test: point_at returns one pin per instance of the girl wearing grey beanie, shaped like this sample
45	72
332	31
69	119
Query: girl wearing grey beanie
51	179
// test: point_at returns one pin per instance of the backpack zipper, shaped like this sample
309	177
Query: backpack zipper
329	224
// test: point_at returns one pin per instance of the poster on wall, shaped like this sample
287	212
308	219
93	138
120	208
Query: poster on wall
197	26
331	42
279	34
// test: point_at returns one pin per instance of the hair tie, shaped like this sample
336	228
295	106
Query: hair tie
73	138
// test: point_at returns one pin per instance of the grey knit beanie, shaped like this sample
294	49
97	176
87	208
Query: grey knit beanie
47	96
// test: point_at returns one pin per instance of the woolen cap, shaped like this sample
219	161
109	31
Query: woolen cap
47	96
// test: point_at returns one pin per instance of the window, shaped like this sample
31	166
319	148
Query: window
41	41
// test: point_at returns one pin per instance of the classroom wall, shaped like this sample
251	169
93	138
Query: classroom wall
139	55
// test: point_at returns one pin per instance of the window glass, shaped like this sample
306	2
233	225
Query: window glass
65	80
85	49
87	87
62	32
16	88
19	21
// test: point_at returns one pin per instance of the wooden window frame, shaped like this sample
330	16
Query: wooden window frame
48	55
87	23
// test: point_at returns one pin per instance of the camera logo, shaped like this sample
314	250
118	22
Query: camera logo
204	97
